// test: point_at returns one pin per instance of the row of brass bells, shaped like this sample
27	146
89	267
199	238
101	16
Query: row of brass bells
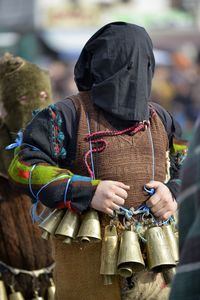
62	223
161	248
123	259
50	224
18	296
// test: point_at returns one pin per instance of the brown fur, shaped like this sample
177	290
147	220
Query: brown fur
21	245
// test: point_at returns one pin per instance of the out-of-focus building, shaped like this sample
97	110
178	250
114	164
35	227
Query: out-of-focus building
65	25
52	34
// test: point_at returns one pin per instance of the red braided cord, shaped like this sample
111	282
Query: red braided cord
133	129
94	150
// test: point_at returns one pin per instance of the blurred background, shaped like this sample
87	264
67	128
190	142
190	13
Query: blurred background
51	33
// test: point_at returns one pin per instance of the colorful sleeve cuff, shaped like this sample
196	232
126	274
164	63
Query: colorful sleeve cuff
79	195
53	186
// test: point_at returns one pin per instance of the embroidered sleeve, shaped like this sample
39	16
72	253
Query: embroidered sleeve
37	170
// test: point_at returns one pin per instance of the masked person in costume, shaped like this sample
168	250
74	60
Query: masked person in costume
26	262
97	150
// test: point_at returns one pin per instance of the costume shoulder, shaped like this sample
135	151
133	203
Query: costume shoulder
172	127
69	114
67	104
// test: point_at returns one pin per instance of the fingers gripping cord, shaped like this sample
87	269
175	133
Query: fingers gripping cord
101	144
144	210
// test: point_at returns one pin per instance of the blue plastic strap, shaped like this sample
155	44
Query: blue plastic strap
124	211
32	147
66	190
44	186
18	141
34	215
150	191
144	209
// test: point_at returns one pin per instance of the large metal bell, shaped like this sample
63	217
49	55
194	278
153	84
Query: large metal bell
130	258
159	257
68	227
90	229
109	254
172	240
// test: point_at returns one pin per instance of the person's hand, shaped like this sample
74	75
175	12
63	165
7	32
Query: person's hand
161	203
109	195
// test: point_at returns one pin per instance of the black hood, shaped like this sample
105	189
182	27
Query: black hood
117	66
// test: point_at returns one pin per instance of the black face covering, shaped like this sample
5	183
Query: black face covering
117	65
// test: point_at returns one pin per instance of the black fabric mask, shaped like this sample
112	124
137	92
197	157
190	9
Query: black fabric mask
117	66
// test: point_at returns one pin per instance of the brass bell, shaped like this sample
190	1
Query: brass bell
109	253
172	241
68	227
16	295
36	296
168	275
3	294
159	255
51	290
50	224
90	229
45	213
130	257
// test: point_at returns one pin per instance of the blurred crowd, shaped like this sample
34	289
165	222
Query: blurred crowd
62	79
176	86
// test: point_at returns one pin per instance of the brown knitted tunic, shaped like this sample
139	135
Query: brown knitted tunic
128	159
